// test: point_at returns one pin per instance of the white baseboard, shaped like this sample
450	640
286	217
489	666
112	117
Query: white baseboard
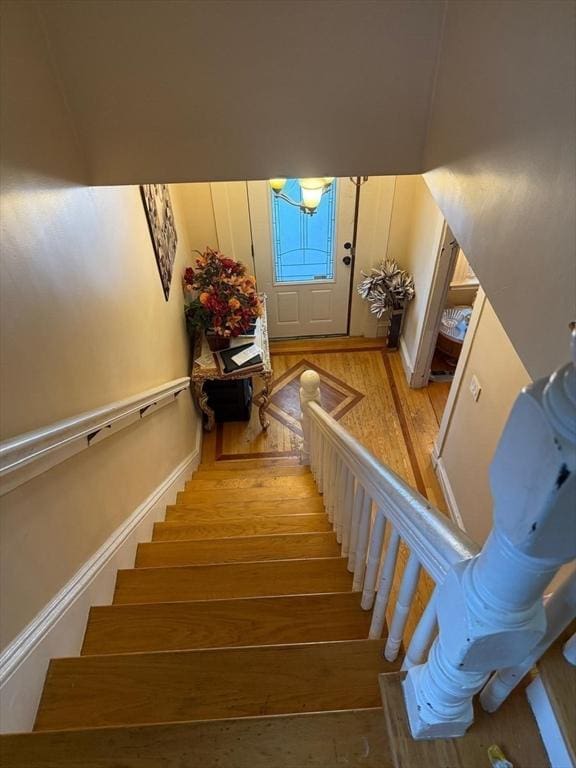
406	361
551	733
442	475
58	630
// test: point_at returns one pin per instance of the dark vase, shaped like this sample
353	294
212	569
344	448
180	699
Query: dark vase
395	329
217	342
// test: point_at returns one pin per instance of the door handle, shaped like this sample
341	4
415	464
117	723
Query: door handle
347	260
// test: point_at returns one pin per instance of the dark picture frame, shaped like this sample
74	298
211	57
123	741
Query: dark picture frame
160	217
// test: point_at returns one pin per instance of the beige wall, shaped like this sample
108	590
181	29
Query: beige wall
501	160
83	322
425	227
474	428
248	89
197	214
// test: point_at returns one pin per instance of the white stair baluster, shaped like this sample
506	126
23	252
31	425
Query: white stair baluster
374	554
354	525
347	517
340	486
385	585
403	605
423	636
319	459
362	544
331	484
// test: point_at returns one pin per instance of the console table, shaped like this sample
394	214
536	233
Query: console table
204	368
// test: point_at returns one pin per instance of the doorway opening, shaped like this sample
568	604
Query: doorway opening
454	320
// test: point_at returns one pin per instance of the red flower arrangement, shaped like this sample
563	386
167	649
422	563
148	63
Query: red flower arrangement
220	295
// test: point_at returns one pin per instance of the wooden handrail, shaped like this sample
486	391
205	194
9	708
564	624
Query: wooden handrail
487	606
28	455
437	541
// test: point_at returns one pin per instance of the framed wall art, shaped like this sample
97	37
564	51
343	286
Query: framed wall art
158	207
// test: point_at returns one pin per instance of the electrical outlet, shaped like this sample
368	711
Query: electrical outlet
475	388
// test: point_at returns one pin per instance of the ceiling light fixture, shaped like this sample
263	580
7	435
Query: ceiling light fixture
311	192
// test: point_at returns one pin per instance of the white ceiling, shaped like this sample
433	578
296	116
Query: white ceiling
189	90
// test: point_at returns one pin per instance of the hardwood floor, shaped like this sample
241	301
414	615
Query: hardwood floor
396	423
365	388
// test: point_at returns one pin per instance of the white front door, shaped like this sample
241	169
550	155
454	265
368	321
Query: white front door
299	259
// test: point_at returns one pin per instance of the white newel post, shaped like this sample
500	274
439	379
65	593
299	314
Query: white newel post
490	609
309	392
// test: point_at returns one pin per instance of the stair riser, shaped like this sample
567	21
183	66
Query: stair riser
216	496
239	465
212	512
222	473
232	484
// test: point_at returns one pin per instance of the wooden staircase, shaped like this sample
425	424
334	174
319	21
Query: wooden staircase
240	607
236	640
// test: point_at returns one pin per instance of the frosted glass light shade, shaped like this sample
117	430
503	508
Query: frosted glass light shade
311	197
317	183
277	184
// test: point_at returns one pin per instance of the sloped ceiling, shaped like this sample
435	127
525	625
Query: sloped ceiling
188	90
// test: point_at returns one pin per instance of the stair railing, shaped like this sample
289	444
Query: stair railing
487	608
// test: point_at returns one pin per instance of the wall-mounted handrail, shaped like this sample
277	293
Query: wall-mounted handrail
28	455
438	542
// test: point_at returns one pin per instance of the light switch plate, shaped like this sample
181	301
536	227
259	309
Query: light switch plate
475	387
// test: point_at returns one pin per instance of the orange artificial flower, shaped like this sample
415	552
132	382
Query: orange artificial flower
233	303
204	298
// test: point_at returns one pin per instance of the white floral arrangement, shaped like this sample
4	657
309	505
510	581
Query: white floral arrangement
387	287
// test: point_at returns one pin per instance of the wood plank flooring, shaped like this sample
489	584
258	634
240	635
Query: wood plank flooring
513	728
396	423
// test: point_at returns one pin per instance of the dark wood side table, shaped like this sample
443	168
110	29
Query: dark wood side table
204	368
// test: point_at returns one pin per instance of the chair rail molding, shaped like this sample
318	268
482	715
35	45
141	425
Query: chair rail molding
32	453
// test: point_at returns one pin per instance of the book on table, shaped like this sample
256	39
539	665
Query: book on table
245	358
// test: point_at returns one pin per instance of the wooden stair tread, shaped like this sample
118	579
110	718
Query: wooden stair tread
264	481
135	689
353	737
241	464
225	623
559	679
234	527
213	582
225	472
215	496
244	549
208	510
512	727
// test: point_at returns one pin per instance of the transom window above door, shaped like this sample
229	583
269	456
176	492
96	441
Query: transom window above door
303	246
